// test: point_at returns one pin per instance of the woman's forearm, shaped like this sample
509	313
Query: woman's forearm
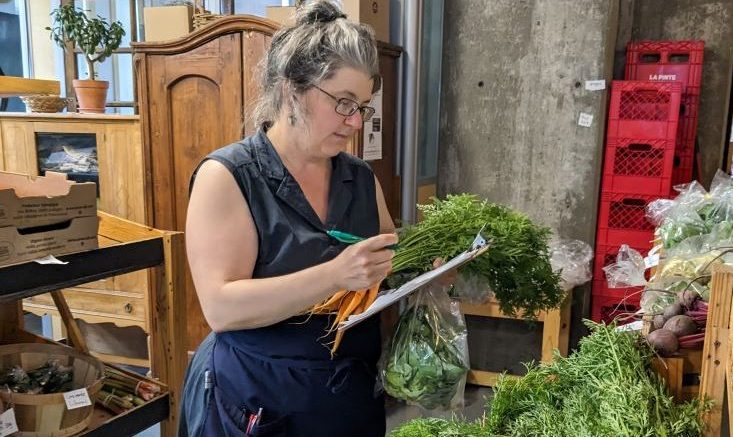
253	303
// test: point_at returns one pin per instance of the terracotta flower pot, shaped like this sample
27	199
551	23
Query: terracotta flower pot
91	95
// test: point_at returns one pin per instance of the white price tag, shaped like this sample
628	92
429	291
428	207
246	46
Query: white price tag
651	260
633	326
595	85
77	399
49	259
7	423
585	120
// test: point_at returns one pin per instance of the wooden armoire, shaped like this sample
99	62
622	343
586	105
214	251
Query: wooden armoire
194	95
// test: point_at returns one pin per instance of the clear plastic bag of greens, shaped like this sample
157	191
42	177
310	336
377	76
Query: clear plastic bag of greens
691	195
661	293
426	361
683	222
655	299
628	270
721	235
471	288
572	258
678	219
719	207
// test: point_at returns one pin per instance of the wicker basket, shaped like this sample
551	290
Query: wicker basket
44	103
46	415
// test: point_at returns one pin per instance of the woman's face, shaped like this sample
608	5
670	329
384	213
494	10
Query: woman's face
329	132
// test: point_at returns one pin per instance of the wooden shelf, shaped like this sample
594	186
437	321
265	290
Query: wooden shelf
30	278
73	116
126	247
11	86
104	424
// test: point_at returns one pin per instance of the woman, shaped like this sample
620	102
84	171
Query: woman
260	256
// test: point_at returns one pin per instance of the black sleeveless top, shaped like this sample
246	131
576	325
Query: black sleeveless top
292	237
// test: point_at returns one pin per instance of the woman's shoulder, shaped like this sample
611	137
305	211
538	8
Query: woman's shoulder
235	154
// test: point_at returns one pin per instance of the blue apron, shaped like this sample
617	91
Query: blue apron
281	380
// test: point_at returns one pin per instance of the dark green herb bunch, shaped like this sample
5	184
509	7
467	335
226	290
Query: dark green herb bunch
516	267
607	388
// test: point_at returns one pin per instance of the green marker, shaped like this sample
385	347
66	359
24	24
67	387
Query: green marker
347	238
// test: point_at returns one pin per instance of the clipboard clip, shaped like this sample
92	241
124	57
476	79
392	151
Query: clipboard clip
479	241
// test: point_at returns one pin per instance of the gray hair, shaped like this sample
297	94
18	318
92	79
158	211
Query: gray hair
301	56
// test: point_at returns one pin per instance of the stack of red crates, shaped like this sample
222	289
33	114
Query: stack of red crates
638	168
679	61
650	148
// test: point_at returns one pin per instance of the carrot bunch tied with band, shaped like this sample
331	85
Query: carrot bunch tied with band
345	303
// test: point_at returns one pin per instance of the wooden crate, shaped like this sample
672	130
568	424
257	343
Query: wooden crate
555	334
681	373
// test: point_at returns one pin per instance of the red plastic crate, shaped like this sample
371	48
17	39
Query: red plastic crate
684	166
622	220
606	308
666	61
687	124
638	166
644	110
606	255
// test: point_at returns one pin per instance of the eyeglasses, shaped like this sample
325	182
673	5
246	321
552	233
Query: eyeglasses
348	107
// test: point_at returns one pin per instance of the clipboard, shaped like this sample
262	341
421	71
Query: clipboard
389	297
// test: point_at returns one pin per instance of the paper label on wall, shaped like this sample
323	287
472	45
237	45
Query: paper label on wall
372	131
595	85
77	399
7	423
585	120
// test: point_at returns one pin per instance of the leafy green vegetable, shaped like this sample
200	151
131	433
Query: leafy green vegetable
607	388
516	267
431	426
424	363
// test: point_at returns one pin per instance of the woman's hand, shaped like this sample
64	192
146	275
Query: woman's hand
363	264
448	278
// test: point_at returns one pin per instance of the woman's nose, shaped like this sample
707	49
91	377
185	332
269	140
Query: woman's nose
354	120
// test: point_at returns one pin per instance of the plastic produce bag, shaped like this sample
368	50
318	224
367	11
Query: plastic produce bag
472	288
426	362
572	258
627	271
719	207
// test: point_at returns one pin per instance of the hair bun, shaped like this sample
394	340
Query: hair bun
320	11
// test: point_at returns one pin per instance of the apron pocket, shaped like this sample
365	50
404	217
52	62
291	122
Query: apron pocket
274	428
225	418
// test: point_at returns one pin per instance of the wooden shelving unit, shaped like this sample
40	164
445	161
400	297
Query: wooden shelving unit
124	247
555	334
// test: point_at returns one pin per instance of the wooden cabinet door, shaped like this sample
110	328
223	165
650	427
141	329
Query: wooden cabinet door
385	169
194	102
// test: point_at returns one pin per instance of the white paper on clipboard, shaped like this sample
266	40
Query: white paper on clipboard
388	297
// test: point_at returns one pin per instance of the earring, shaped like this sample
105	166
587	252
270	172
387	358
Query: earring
291	119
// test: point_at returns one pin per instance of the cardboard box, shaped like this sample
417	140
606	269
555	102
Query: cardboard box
372	12
163	23
285	15
45	200
78	235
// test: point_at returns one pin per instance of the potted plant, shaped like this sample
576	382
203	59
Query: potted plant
97	39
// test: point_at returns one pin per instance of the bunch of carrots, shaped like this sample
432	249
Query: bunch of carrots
346	303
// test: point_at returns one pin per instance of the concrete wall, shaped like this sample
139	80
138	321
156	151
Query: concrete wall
513	87
711	21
